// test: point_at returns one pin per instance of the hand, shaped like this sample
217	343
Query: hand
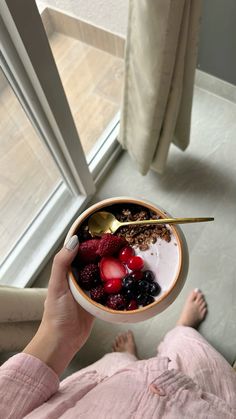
62	314
65	326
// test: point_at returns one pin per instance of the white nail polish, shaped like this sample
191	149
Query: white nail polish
196	290
72	243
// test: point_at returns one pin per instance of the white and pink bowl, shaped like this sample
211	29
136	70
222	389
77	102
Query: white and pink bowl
168	261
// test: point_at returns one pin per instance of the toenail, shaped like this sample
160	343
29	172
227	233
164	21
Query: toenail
197	290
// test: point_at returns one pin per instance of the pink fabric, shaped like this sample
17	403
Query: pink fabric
187	378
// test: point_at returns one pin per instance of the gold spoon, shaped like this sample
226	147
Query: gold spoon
105	222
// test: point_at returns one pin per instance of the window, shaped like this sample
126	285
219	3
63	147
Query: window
54	180
28	174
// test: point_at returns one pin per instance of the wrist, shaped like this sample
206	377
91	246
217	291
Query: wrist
49	346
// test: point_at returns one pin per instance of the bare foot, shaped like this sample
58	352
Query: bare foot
194	311
125	342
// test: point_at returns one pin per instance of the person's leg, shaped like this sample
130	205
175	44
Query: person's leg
124	353
191	354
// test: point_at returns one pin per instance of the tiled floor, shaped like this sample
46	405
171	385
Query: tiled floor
198	182
201	181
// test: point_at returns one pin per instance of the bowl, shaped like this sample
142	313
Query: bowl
168	260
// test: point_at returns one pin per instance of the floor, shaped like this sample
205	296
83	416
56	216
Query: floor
198	182
92	80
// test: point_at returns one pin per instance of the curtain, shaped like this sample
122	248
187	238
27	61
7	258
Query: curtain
160	61
21	311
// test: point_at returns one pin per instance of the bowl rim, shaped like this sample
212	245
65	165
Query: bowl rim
113	201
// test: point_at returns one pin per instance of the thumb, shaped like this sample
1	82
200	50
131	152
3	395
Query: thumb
62	262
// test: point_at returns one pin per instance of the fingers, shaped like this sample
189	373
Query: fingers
62	262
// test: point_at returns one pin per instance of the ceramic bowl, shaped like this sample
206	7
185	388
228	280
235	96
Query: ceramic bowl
169	263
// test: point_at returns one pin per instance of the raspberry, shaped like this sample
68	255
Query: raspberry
112	286
110	244
89	276
87	251
98	294
135	263
126	253
116	302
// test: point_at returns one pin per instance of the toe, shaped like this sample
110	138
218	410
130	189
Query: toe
130	336
203	305
192	296
204	312
120	339
199	296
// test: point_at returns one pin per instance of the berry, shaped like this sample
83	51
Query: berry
136	275
110	244
129	294
112	286
154	289
128	283
148	276
111	268
143	286
87	251
132	305
116	302
98	294
135	263
125	254
89	276
141	298
149	300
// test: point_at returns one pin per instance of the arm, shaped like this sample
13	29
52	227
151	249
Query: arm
30	378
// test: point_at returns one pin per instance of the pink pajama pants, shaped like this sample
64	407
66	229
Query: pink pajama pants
190	354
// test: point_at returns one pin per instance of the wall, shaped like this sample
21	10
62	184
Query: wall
217	44
109	14
217	48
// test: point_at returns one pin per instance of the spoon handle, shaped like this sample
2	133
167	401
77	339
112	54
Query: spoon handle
169	221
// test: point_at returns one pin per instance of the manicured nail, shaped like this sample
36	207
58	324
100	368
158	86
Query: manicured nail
196	290
72	243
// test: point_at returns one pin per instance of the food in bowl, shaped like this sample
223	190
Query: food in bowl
127	270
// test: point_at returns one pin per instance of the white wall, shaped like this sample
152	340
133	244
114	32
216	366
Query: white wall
109	14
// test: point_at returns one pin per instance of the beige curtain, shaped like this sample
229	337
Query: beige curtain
161	52
20	315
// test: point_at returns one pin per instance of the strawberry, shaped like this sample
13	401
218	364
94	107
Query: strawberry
110	244
87	251
111	268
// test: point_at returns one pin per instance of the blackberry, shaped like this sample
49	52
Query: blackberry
116	302
98	294
89	276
